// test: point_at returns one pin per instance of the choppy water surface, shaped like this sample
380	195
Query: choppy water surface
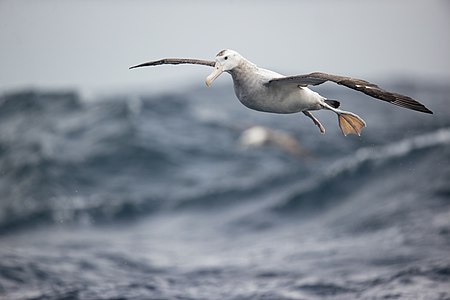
140	196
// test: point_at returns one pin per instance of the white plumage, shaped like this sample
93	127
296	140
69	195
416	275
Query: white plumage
268	91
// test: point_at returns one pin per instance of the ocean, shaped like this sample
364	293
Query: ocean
140	195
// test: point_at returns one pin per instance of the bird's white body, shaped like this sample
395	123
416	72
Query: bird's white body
251	89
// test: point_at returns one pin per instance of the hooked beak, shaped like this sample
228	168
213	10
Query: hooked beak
218	69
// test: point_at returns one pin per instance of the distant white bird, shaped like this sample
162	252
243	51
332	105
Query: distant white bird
268	91
257	136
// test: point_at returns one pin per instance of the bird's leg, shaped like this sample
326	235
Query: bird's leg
349	122
314	119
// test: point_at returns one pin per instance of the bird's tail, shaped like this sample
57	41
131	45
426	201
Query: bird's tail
333	103
350	123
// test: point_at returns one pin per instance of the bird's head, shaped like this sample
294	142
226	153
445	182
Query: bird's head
226	60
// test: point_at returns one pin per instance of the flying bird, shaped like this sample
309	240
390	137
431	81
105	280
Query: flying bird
268	91
257	136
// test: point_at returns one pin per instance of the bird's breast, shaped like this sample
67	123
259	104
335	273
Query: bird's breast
257	96
250	86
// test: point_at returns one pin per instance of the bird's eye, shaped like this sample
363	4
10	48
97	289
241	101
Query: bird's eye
226	57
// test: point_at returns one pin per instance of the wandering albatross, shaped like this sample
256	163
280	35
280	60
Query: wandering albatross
268	91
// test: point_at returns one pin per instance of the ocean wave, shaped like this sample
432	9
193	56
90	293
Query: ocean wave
58	152
65	160
213	218
382	154
347	173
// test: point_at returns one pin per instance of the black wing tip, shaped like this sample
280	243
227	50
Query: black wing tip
134	67
408	102
141	65
416	106
424	109
427	111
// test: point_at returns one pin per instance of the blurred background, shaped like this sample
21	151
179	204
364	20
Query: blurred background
145	184
91	44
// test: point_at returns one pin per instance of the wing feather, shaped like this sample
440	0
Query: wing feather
363	86
176	61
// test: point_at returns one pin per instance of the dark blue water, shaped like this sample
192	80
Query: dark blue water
143	196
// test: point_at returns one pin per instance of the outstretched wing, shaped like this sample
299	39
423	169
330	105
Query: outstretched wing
366	87
175	61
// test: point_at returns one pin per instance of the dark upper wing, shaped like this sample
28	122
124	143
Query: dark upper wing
368	88
175	61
